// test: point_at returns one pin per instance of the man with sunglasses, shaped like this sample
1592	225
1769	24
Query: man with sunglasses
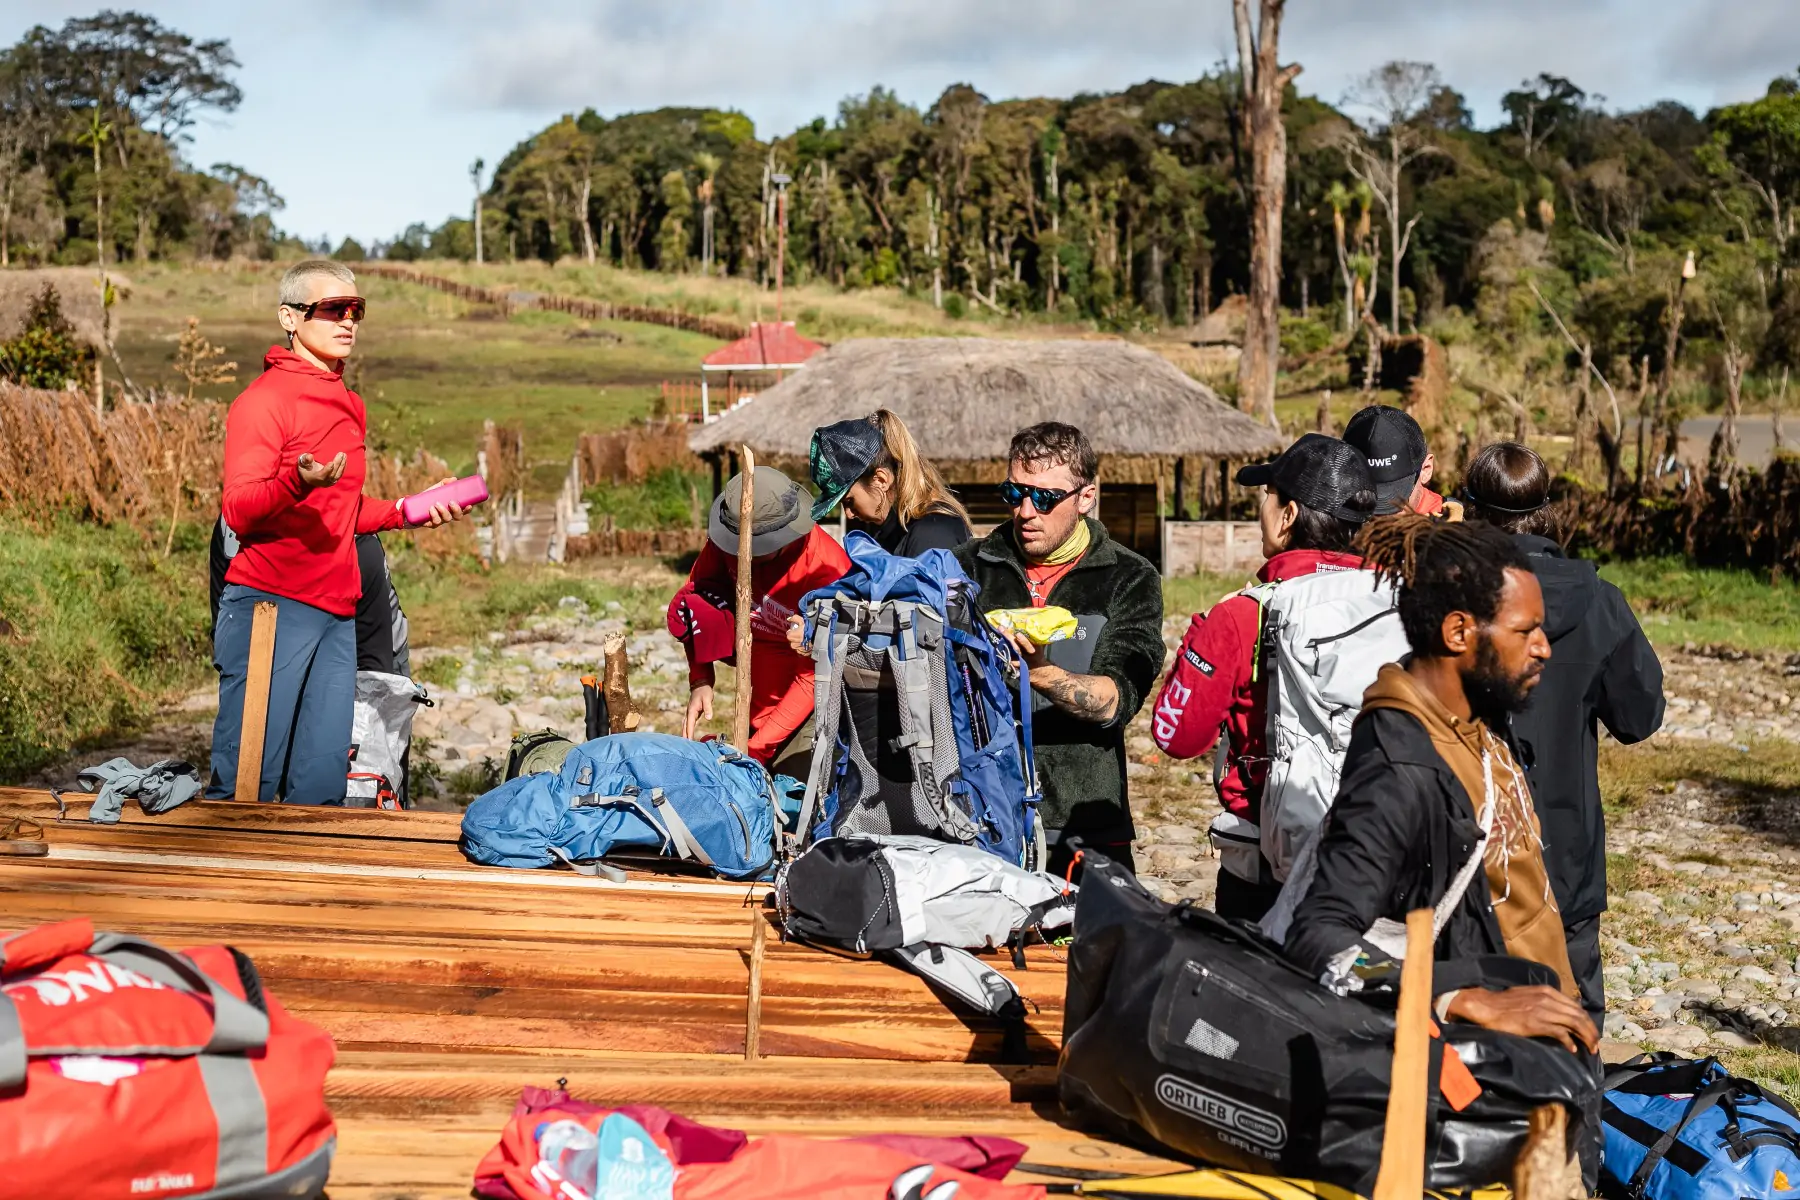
1087	688
294	469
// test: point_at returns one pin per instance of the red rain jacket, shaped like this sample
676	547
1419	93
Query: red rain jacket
1214	684
781	682
299	542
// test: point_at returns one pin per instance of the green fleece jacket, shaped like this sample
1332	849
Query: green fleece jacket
1081	764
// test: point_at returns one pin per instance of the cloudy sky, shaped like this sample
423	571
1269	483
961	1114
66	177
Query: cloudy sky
366	116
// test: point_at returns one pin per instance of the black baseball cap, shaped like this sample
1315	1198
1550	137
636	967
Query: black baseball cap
1395	448
840	455
1320	472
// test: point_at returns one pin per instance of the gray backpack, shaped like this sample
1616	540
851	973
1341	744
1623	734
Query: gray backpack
923	905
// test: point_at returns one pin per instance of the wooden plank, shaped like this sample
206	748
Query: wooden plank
449	987
231	815
497	876
254	722
1402	1172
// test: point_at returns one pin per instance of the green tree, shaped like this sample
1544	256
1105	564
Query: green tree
676	230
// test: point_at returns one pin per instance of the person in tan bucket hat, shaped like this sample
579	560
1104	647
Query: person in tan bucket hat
791	557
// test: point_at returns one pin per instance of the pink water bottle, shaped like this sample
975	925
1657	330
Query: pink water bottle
416	510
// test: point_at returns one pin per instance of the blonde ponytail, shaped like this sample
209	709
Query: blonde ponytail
918	488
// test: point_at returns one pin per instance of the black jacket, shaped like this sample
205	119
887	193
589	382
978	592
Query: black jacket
1080	763
930	531
1400	829
1602	670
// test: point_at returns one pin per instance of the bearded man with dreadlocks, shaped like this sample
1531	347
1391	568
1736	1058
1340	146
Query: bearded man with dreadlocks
1433	810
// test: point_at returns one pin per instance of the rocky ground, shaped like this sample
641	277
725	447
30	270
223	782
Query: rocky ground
1704	928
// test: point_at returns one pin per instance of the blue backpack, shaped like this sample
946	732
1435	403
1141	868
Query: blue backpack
1684	1129
901	654
701	801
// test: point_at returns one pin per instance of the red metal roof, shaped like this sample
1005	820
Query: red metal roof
768	344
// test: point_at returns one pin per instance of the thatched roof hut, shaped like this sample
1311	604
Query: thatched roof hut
963	398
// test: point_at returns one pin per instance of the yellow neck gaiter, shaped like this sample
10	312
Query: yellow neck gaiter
1070	550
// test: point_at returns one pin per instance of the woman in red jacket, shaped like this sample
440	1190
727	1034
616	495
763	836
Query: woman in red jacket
1315	498
792	556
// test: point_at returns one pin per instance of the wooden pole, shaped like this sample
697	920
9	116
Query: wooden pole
759	936
622	713
255	723
1402	1174
1545	1170
740	717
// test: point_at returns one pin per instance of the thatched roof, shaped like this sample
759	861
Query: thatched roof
963	398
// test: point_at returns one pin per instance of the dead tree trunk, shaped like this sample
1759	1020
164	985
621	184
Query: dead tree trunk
1264	84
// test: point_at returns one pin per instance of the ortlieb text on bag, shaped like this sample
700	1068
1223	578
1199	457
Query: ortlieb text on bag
1195	1032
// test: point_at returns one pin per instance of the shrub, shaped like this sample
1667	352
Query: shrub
46	354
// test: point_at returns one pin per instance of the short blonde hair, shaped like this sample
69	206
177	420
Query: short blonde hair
295	282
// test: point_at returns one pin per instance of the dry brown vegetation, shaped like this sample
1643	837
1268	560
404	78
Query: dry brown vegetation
137	463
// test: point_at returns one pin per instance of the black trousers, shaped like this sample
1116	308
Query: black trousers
1242	900
1584	956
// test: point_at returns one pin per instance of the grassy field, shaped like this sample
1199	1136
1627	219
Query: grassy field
431	368
818	310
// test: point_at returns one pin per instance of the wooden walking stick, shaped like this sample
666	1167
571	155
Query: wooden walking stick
255	723
759	936
1402	1174
740	717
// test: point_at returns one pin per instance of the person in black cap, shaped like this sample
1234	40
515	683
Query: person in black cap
1316	496
1400	461
791	557
872	466
1602	671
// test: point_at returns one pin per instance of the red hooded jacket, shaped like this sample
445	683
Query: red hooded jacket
781	682
1214	684
296	541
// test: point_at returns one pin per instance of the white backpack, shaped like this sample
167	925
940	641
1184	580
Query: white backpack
1323	638
380	733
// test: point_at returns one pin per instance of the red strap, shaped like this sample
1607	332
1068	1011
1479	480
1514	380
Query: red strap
45	944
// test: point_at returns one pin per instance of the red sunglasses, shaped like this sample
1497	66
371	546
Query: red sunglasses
332	308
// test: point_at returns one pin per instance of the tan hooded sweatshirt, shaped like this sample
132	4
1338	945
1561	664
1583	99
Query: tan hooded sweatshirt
1517	881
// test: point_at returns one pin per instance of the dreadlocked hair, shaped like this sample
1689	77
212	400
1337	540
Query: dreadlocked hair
1440	567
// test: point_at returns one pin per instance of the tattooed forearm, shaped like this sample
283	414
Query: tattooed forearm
1091	697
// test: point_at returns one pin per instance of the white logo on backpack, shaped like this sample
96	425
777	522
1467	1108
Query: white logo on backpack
59	988
1324	638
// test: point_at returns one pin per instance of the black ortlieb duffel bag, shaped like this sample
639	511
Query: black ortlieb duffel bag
1195	1032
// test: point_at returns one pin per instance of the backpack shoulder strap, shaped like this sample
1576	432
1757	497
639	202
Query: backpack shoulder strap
959	974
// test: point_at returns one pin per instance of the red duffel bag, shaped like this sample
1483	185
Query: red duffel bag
130	1071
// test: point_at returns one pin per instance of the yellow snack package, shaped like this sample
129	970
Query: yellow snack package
1041	625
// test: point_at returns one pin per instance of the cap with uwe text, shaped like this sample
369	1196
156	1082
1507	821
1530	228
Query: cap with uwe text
1395	448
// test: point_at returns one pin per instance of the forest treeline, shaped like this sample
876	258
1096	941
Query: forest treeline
94	124
1124	209
1130	207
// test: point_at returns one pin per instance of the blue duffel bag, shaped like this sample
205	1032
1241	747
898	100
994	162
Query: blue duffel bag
1687	1129
702	801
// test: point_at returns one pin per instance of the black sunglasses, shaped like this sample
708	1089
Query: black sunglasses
1043	499
332	308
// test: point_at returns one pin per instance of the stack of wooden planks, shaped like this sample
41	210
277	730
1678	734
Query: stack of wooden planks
448	987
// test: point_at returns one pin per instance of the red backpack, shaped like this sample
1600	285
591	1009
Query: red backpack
129	1071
